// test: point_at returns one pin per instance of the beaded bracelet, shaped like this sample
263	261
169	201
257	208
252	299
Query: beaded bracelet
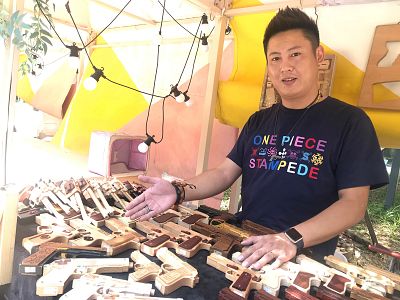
180	190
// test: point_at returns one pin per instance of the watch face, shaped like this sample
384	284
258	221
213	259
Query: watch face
294	235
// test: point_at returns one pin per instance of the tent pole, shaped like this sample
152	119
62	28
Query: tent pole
9	58
215	57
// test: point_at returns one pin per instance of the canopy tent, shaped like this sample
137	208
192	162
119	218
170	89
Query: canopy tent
128	55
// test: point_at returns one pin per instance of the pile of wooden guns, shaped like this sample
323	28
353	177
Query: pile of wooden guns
81	226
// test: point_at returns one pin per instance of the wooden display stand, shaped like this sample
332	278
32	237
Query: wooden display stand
8	223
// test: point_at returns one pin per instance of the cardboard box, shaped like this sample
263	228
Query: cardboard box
116	154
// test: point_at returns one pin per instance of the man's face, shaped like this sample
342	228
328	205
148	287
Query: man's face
293	67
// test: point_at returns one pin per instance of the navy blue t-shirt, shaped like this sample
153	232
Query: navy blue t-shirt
294	161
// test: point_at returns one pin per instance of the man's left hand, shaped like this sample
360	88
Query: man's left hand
260	250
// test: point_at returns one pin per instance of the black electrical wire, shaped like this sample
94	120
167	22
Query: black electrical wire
154	86
51	25
128	87
194	62
108	24
187	58
176	21
94	67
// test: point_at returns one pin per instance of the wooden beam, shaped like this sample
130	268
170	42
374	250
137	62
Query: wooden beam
270	6
205	5
125	13
215	58
150	42
63	22
193	20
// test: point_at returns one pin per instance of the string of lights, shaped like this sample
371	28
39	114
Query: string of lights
91	82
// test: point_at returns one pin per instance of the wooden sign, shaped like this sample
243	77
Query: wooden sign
375	74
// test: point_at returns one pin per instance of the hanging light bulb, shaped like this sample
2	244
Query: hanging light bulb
187	100
179	97
73	59
204	43
204	24
228	30
90	83
143	147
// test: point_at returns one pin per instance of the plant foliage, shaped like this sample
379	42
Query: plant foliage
29	33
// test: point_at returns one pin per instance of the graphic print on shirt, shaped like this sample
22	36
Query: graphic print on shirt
297	155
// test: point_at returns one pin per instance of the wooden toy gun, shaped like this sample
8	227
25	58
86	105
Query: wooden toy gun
191	241
94	286
333	279
223	242
183	215
218	214
60	272
60	233
157	237
175	273
244	280
145	269
33	264
367	279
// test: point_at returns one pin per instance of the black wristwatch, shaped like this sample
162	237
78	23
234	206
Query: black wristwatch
295	237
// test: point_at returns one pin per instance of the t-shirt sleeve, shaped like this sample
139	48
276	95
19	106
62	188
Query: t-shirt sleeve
360	160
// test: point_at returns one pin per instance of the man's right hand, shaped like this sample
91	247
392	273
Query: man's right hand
153	201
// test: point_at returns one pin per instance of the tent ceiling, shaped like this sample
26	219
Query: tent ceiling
94	15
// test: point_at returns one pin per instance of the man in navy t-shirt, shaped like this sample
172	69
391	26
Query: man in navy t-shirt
307	162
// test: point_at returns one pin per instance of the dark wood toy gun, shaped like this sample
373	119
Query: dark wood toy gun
214	213
223	243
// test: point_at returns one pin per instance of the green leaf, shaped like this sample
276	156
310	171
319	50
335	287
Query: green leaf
34	35
45	48
45	39
45	32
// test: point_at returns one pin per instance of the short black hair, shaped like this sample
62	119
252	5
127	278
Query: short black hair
288	19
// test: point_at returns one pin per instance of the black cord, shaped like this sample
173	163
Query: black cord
177	21
187	58
131	88
194	62
77	30
108	24
154	86
315	12
94	67
51	25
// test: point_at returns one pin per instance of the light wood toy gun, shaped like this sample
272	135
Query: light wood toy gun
243	279
95	286
52	233
191	241
182	215
367	279
157	237
175	273
333	279
33	264
144	269
60	272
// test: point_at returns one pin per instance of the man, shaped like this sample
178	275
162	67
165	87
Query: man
307	163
